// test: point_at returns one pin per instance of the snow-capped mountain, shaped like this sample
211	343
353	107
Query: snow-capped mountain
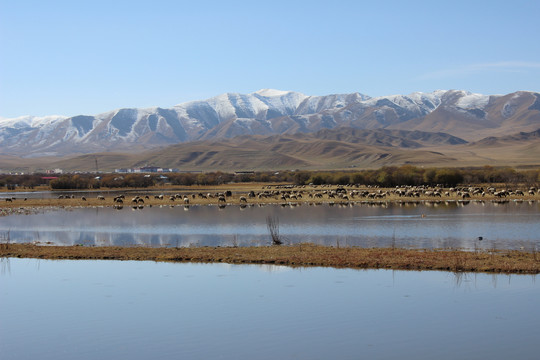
463	114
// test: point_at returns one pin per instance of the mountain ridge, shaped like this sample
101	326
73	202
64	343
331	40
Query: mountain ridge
270	112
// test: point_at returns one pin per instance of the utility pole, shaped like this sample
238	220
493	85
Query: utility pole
97	169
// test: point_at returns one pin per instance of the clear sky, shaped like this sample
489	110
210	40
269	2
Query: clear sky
86	57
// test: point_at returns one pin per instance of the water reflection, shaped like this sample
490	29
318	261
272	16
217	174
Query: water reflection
141	310
5	267
474	225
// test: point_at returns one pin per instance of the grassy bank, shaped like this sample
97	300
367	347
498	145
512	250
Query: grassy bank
240	195
298	255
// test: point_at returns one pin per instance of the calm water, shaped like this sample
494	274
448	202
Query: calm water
144	310
93	193
511	225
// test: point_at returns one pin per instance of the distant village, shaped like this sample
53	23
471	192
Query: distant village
145	169
138	170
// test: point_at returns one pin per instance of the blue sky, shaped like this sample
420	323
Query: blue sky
87	57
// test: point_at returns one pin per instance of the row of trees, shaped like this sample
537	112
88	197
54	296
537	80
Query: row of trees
385	177
391	176
27	181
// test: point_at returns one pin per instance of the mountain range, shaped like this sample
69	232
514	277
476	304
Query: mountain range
284	128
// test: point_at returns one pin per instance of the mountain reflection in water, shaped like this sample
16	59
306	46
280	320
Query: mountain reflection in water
474	225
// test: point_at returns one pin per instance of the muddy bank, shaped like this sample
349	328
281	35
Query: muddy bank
298	255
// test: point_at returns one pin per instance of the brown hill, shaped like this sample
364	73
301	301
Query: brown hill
300	151
519	138
518	149
339	148
500	117
326	149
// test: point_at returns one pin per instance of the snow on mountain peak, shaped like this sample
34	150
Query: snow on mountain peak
30	121
271	92
473	101
228	114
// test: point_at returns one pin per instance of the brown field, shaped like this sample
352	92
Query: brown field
298	256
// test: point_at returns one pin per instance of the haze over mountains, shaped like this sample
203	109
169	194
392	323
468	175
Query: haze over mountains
353	125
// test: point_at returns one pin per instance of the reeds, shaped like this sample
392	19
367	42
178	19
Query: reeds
5	241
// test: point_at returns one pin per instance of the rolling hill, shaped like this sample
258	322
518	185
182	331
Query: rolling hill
340	148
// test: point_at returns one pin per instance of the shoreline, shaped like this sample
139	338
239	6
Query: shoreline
44	205
301	255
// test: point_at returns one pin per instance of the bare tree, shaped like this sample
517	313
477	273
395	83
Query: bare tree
273	227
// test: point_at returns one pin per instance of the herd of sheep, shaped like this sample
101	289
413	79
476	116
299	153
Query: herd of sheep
312	194
349	193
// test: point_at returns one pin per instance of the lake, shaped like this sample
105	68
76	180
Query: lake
145	310
509	225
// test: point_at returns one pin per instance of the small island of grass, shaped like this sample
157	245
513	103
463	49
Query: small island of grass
299	255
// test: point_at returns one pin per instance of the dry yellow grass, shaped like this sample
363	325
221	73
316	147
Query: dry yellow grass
298	255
